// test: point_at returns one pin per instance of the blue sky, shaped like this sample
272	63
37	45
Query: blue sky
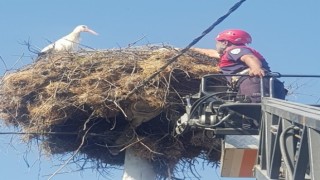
286	32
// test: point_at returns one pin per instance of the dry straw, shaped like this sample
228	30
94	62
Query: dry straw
85	94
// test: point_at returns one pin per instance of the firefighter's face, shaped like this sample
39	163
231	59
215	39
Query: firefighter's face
221	46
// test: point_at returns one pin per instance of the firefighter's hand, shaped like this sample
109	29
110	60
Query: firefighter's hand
209	52
257	72
254	64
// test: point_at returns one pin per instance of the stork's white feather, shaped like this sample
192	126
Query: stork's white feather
69	42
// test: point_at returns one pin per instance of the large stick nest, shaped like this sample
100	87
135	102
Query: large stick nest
79	102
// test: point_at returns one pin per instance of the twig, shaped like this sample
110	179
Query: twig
182	51
115	102
4	63
15	63
140	141
150	149
77	151
81	44
132	44
29	46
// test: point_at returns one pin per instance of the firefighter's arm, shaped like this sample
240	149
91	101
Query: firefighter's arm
209	52
254	64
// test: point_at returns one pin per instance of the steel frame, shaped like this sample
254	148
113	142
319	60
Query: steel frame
299	125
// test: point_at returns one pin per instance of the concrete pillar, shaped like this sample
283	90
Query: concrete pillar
137	168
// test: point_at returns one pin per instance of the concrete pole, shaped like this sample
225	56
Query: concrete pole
137	168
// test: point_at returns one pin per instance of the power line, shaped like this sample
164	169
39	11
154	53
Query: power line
209	29
196	40
48	133
171	60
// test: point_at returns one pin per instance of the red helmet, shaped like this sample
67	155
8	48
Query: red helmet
235	36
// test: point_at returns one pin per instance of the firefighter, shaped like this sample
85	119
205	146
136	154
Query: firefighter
235	57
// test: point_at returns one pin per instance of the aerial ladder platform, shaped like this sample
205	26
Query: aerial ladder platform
289	141
274	139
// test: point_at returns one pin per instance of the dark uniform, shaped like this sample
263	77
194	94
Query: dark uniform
230	63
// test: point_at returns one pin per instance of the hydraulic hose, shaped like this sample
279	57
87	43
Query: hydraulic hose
284	151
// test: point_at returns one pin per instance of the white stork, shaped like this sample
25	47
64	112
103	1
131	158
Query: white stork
69	42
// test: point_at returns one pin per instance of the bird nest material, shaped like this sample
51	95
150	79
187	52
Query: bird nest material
84	101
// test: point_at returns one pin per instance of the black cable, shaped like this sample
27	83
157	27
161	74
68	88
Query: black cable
284	151
48	133
205	32
196	40
197	103
173	59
